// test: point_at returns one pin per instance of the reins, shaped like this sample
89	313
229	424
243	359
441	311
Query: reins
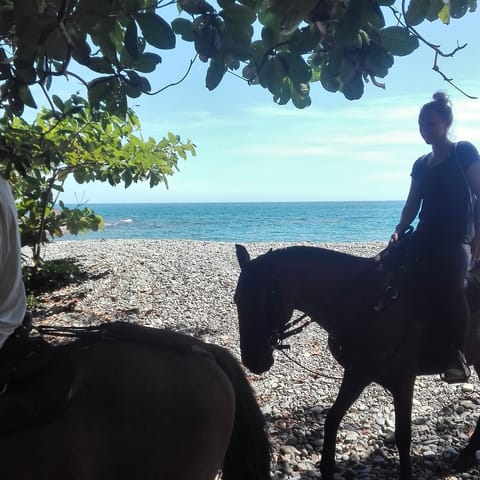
314	372
287	331
71	331
276	342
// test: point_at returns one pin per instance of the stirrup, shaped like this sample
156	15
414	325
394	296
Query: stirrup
455	377
459	373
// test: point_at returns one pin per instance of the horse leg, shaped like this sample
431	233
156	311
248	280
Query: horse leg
467	459
350	389
402	391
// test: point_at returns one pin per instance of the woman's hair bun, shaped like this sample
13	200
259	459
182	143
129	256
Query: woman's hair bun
441	97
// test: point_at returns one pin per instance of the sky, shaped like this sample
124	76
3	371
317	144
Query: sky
250	149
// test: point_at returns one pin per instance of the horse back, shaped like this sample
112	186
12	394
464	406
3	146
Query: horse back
135	410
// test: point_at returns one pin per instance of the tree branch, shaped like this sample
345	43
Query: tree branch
436	48
192	61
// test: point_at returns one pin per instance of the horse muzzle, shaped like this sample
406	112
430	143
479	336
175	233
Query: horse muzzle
258	364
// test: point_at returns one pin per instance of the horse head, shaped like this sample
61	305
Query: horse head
261	313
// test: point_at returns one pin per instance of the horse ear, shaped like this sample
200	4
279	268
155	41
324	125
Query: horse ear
243	256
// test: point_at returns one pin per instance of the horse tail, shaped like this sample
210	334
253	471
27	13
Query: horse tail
248	456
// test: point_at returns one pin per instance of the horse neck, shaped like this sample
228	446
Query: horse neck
318	287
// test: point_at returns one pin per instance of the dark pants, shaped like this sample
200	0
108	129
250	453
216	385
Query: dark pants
443	268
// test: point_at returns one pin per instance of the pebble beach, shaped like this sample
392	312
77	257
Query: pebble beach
188	286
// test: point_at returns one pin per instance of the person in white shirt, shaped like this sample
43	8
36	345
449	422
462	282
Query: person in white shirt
13	304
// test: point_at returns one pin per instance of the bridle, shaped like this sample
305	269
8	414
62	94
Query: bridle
275	341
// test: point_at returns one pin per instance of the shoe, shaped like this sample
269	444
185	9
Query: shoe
457	370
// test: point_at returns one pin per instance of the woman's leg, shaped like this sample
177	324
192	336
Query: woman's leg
455	309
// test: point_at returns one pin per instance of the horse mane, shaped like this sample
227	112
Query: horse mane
308	252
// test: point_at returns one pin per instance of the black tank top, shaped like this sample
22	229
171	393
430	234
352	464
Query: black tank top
447	203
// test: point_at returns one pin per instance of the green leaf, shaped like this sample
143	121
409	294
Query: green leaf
329	81
116	98
270	19
285	93
79	175
56	46
97	89
373	15
398	41
273	75
304	41
215	73
184	28
300	99
444	14
297	69
434	10
195	7
146	62
377	61
458	8
6	19
205	42
23	62
156	30
100	65
346	33
417	11
132	91
131	38
58	103
238	14
26	96
138	81
107	46
353	90
172	138
330	71
80	48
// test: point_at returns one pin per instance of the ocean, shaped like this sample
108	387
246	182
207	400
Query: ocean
248	222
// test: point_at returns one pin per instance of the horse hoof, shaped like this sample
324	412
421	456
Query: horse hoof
327	473
464	461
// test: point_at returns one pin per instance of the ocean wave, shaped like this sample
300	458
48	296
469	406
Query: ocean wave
118	222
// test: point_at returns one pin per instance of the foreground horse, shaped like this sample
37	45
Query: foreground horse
368	316
143	404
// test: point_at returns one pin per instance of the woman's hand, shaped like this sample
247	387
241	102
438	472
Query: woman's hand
475	248
393	238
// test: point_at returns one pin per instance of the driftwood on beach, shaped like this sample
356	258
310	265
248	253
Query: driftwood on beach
188	286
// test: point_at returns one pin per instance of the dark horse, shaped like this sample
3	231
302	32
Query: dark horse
368	314
142	403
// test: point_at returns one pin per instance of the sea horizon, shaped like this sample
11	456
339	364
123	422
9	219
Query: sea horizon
71	204
265	221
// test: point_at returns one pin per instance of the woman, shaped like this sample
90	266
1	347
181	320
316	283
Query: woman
442	189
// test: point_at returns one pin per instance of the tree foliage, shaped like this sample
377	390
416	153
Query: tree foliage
88	145
282	45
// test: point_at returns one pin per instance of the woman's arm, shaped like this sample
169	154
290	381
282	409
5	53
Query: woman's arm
473	178
410	209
